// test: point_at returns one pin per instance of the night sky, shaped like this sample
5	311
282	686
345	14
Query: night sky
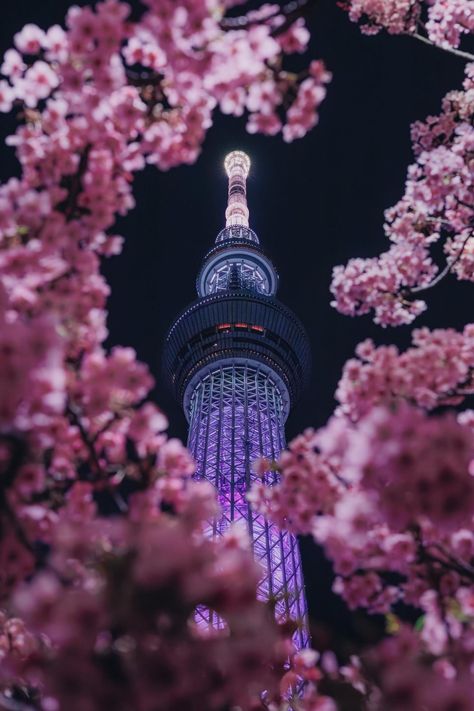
314	204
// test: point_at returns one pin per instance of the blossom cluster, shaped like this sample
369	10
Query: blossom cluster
397	674
32	379
407	679
387	489
415	467
160	78
401	502
396	16
116	609
438	206
437	370
444	21
308	484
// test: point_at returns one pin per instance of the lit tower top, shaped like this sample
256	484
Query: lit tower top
237	166
237	310
237	260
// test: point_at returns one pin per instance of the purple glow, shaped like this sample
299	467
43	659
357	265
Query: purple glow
236	416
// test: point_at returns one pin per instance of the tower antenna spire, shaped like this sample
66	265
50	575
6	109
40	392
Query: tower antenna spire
237	166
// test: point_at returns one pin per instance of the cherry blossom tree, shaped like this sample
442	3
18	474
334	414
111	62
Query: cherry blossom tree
94	494
437	207
438	204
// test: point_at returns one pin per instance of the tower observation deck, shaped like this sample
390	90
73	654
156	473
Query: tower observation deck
237	359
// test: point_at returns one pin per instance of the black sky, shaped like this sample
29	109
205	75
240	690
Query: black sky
314	204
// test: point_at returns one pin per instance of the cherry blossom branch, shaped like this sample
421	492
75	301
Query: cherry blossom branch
143	78
424	556
292	12
458	392
105	427
449	565
18	451
69	205
445	271
460	566
19	532
16	460
433	576
403	293
75	418
452	50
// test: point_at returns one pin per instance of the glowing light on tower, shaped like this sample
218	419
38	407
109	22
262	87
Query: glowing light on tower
237	358
237	166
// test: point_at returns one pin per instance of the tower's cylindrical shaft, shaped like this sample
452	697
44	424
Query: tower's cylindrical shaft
236	415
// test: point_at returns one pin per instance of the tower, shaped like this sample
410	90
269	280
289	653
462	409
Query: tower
237	359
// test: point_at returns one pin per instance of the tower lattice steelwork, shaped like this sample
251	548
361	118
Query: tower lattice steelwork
237	359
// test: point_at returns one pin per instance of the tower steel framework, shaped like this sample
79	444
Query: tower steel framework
237	359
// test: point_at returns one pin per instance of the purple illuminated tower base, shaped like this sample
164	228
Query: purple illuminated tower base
236	415
237	359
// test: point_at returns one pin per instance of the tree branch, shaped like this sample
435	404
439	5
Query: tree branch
74	185
446	270
451	50
291	11
75	418
460	566
97	468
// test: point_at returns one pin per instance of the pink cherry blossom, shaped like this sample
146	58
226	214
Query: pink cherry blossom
447	20
38	82
268	124
30	40
307	485
401	501
31	375
12	65
437	205
407	681
7	96
16	643
436	370
302	114
417	466
295	39
175	459
165	660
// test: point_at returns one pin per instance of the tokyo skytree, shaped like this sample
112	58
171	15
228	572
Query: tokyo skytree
237	359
